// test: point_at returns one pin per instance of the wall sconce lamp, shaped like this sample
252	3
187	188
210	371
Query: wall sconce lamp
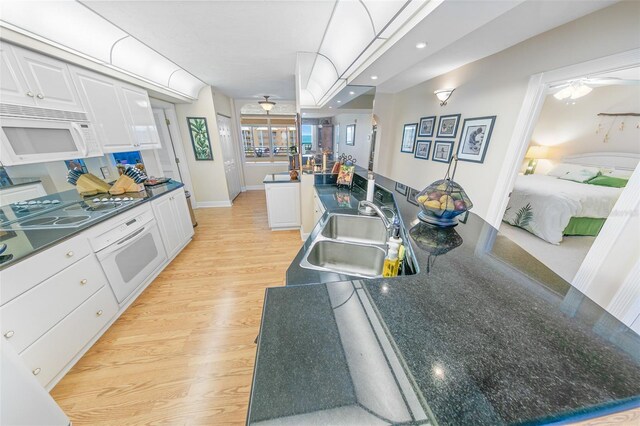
534	153
267	105
443	95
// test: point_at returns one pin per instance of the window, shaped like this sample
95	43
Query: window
267	139
307	133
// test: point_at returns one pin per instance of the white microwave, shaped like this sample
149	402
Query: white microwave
36	135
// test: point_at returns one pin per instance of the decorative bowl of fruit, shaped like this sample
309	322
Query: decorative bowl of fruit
442	201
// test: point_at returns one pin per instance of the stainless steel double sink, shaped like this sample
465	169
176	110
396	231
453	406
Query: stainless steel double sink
349	244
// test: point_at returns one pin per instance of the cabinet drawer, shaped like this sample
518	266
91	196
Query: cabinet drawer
26	274
30	315
53	351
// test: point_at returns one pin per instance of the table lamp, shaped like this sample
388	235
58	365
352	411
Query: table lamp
534	153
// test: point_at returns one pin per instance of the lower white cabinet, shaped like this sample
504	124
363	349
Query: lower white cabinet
13	194
27	317
283	205
174	221
48	356
318	208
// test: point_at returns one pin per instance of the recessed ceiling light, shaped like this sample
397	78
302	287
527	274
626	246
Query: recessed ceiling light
339	102
374	77
352	93
421	45
330	107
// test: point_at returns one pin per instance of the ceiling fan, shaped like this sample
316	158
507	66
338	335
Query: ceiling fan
574	89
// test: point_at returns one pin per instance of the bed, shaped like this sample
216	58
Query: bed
550	206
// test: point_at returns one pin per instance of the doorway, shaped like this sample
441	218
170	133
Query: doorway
170	160
230	163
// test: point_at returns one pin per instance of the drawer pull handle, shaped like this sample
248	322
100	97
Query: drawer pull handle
83	282
40	96
30	94
9	334
99	312
69	254
36	371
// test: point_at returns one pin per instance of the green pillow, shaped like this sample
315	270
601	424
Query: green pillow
613	182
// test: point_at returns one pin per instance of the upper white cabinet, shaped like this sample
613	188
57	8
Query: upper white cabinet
104	104
13	86
141	123
121	112
32	79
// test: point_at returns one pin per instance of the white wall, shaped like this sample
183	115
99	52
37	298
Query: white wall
54	174
571	129
495	85
208	177
360	150
254	173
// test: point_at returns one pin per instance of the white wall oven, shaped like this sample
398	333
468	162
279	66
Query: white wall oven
130	253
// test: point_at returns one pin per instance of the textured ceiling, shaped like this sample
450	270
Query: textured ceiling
244	48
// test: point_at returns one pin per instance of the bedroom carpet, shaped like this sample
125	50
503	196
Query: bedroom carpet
564	259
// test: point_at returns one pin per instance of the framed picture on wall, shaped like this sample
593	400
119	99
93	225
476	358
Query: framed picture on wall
350	135
411	196
425	129
409	132
448	126
402	189
422	149
442	151
200	140
475	137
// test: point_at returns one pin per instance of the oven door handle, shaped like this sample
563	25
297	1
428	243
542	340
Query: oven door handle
124	242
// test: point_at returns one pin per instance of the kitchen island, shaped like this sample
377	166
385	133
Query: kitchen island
483	333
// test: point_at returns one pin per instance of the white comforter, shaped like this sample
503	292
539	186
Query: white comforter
543	205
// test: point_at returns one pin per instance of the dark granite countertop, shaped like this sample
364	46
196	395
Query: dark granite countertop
279	178
25	243
483	334
20	182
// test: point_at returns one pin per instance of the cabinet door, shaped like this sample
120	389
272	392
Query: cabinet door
50	354
184	218
104	106
50	80
13	86
170	229
140	118
283	205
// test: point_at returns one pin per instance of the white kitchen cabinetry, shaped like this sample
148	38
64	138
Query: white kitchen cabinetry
121	112
283	205
174	221
318	208
104	103
142	126
37	80
28	273
13	194
52	352
27	317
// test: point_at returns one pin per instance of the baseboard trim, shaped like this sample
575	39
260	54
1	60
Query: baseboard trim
304	235
254	187
208	204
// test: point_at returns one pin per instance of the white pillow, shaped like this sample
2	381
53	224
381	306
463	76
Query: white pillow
622	174
564	168
580	175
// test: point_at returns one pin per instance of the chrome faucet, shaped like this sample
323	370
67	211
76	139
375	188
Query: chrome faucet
370	209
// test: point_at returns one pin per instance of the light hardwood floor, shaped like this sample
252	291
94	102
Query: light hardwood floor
183	353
